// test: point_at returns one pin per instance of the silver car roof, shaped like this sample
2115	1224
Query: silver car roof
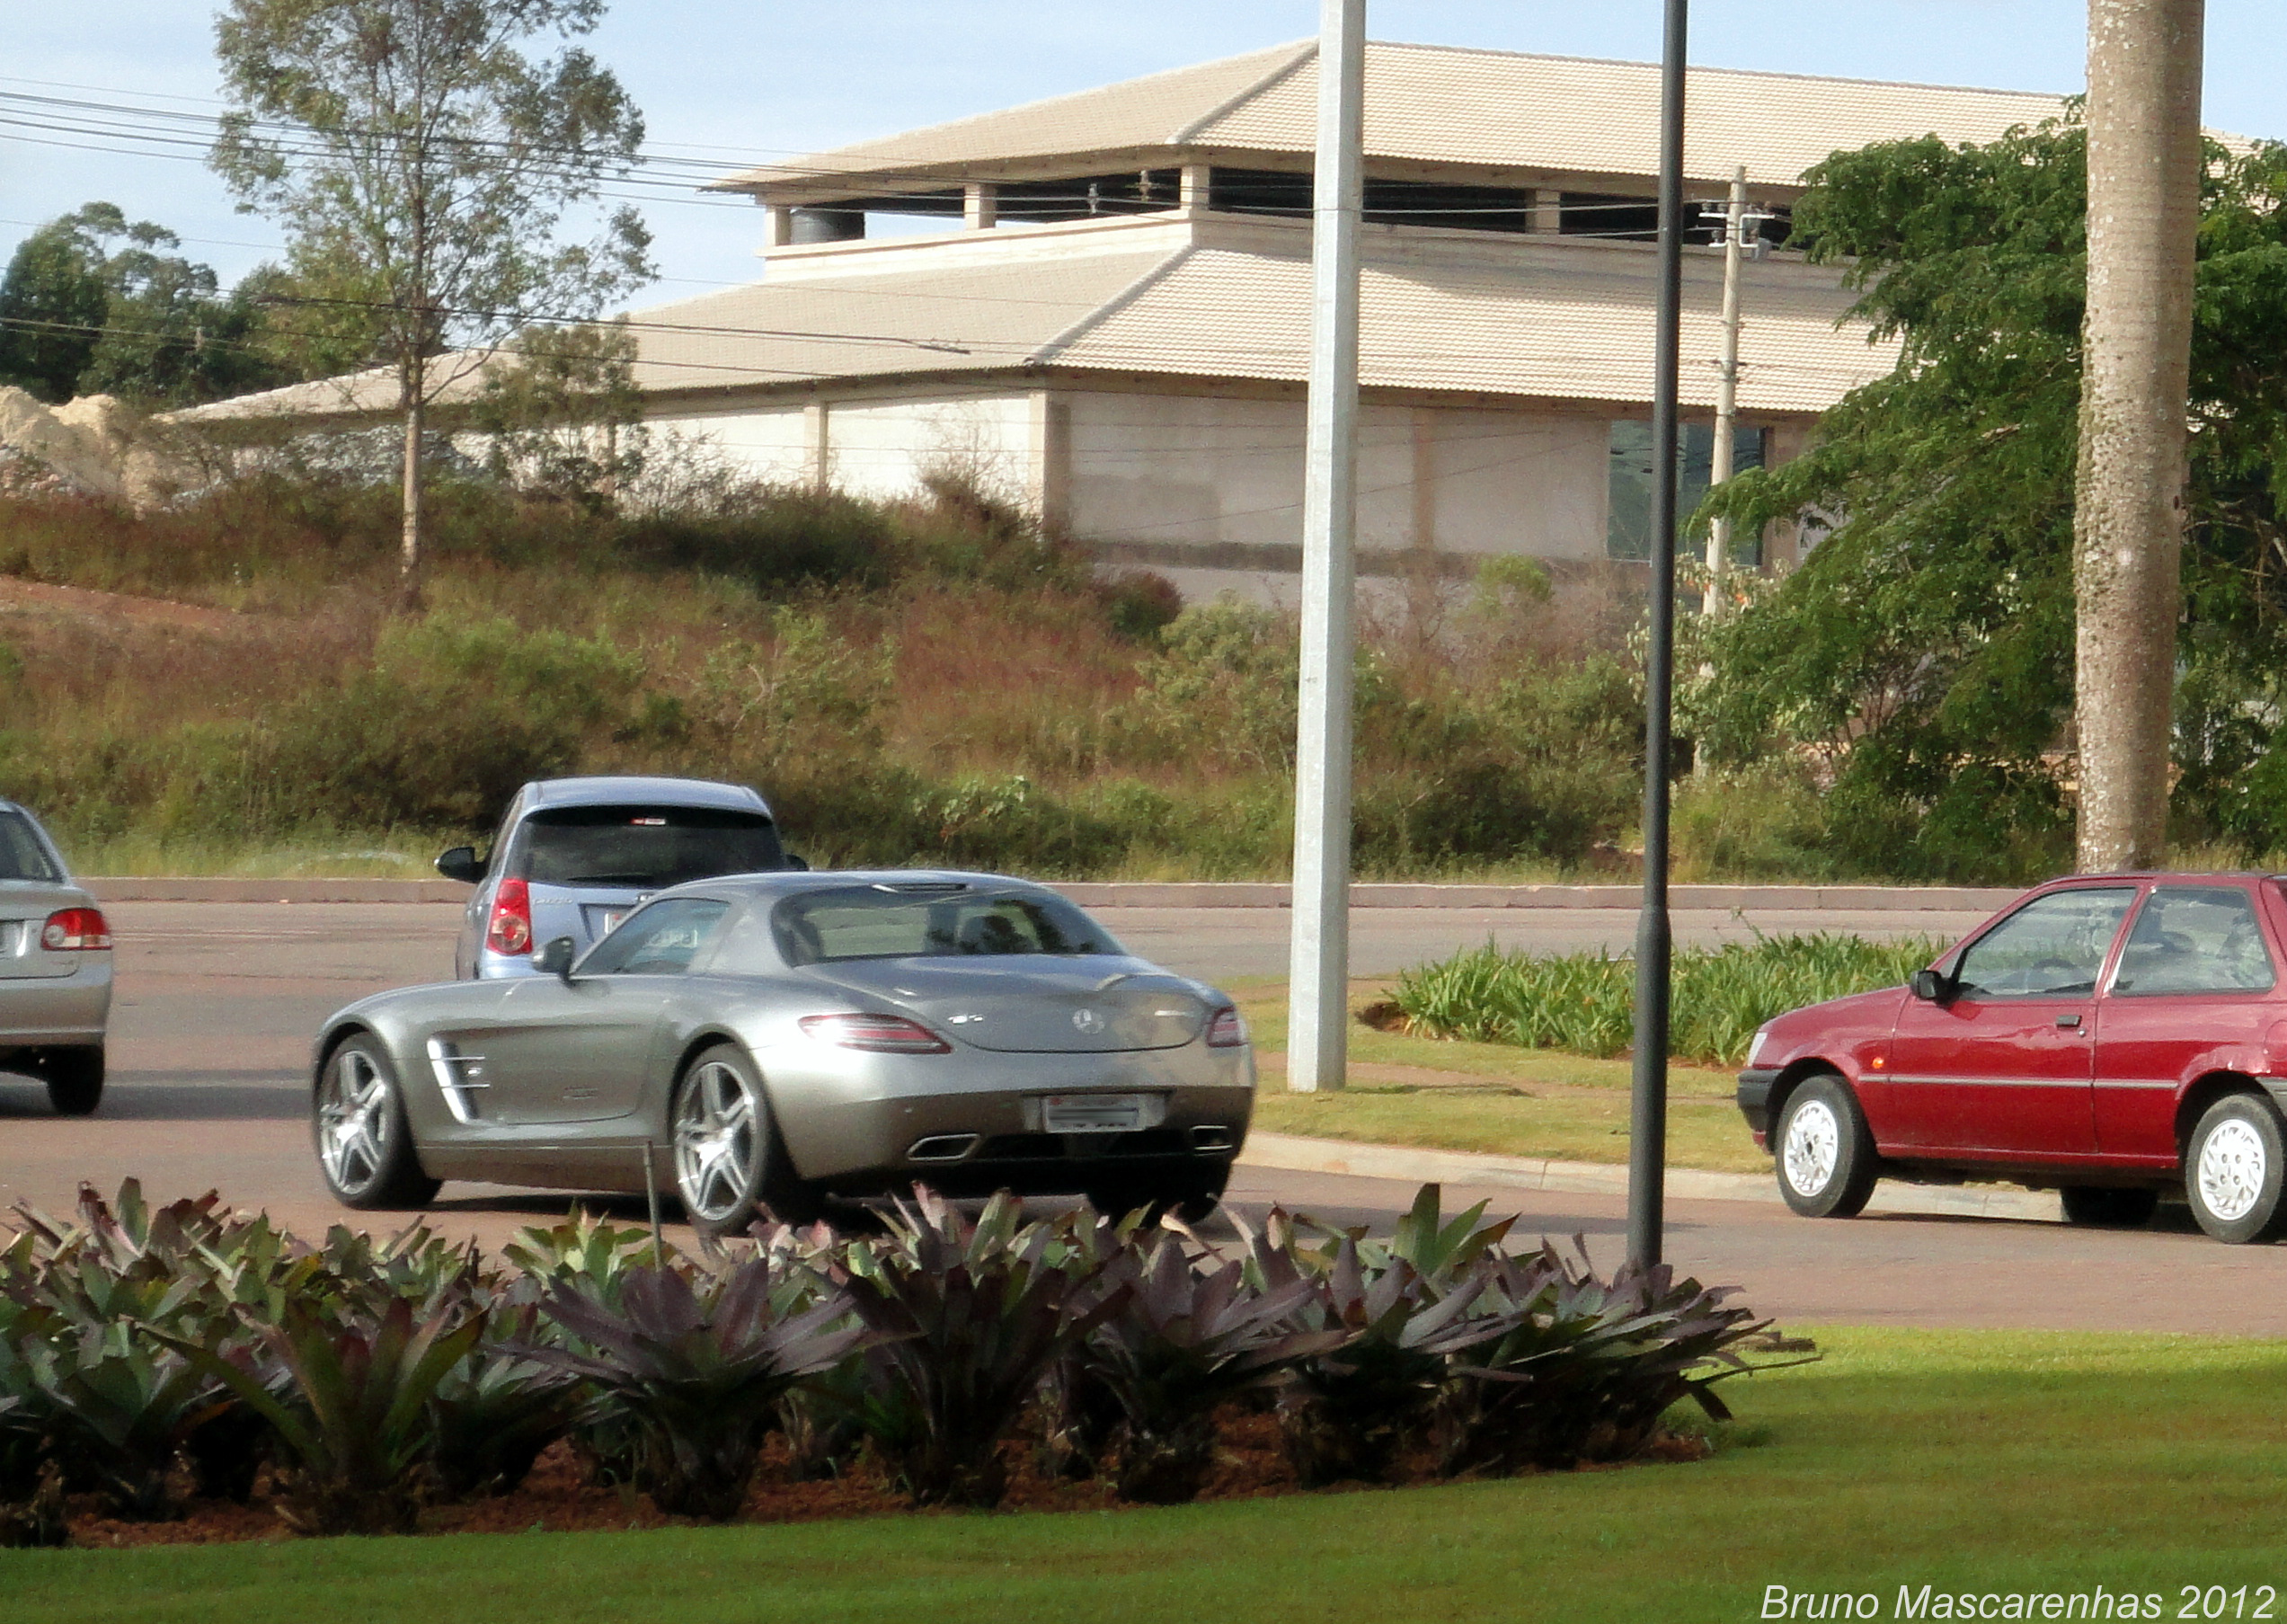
656	792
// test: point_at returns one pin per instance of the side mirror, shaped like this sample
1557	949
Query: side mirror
555	959
796	865
1931	986
460	863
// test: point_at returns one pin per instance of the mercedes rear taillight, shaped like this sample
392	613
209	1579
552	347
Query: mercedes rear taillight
880	1033
75	930
1226	1030
509	930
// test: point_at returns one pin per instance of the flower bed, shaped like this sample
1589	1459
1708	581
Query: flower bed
187	1373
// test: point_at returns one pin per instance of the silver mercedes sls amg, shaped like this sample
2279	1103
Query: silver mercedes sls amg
771	1040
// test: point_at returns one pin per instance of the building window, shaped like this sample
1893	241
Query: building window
1627	530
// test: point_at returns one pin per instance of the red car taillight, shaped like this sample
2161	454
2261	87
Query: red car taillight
1227	1030
880	1034
75	930
509	930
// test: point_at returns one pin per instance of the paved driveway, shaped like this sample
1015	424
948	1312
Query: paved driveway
218	1001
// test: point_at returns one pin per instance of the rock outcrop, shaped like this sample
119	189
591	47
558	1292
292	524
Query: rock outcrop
97	446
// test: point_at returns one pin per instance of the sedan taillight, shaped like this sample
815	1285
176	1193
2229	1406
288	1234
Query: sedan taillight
880	1033
509	930
1227	1030
75	930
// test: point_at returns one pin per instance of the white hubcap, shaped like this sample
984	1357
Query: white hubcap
2231	1171
1813	1145
353	1121
715	1142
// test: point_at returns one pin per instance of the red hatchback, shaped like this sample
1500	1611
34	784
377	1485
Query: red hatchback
2112	1037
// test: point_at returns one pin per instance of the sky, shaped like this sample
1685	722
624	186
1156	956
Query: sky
759	79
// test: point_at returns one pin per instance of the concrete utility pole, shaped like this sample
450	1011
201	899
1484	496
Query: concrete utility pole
1319	995
2128	514
1654	939
1719	468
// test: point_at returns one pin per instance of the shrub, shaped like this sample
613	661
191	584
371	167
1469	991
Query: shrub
1185	1337
1585	1002
970	1319
1589	1367
699	1371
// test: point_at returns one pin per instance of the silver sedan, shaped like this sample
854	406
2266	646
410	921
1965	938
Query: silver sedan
769	1040
55	968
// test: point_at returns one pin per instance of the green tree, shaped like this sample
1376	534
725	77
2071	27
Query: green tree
422	165
53	304
93	305
1926	646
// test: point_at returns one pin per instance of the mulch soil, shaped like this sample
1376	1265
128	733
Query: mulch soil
560	1496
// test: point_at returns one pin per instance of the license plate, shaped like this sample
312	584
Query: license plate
1093	1112
603	921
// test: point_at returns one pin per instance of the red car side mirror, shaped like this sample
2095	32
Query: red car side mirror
1931	986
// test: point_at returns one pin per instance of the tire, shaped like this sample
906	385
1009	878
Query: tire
731	1165
365	1145
1823	1153
2098	1207
74	1079
2232	1170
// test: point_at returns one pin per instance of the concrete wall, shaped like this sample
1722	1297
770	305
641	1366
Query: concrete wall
878	447
1202	471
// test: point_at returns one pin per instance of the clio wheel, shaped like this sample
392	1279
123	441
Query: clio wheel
2232	1170
365	1145
729	1164
1825	1156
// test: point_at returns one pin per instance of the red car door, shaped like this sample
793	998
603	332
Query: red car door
2191	994
2002	1068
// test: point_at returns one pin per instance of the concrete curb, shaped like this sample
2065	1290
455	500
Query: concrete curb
1292	1153
1123	893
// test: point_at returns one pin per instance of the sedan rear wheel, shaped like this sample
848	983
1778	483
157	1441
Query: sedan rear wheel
2233	1168
1826	1158
729	1162
74	1079
364	1144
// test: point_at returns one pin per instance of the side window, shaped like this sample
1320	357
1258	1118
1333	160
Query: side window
2196	938
659	940
2052	947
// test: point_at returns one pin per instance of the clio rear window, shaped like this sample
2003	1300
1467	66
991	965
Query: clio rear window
645	848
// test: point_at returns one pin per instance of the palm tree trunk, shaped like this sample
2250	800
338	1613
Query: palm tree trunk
2143	214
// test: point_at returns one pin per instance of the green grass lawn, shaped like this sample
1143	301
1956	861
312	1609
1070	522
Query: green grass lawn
1497	1098
1968	1461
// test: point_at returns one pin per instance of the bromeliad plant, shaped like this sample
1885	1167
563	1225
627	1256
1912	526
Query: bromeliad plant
969	1317
1186	1337
349	1401
1590	1366
698	1370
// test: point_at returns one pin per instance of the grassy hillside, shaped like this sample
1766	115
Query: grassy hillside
223	687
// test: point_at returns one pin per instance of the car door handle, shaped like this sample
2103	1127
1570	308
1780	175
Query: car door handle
2068	1020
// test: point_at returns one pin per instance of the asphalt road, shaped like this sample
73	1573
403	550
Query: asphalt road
216	1002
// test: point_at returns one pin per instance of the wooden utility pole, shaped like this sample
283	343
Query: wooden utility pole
2128	518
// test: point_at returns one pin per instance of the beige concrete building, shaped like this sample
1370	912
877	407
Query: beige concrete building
1111	320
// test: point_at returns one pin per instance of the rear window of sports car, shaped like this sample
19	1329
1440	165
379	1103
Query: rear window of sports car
22	855
644	847
867	922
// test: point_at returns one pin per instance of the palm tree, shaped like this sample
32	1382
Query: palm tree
2143	213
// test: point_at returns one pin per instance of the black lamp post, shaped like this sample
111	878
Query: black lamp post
1648	1104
